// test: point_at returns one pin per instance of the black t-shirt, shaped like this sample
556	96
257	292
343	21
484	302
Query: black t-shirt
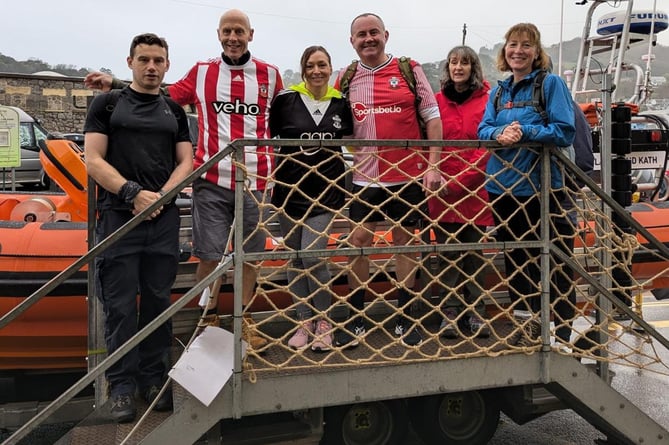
142	130
298	186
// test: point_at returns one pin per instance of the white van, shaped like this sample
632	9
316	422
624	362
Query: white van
30	173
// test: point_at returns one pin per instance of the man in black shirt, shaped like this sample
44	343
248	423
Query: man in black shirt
137	147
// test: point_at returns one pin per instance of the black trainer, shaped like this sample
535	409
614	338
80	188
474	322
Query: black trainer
123	408
448	326
477	326
530	333
165	401
349	337
410	337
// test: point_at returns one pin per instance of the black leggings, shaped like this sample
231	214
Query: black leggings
517	219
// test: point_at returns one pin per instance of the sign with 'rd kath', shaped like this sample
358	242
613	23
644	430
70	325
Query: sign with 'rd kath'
641	160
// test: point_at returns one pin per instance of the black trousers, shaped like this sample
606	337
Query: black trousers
517	219
457	267
143	262
563	290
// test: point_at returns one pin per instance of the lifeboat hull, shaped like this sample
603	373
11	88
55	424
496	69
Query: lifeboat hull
654	216
51	334
38	241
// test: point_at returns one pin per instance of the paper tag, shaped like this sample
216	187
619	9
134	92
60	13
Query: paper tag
206	366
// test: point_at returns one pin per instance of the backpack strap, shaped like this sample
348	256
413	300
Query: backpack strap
345	80
407	72
538	100
538	95
497	98
409	77
112	100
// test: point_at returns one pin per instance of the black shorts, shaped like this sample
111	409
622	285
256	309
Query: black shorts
405	204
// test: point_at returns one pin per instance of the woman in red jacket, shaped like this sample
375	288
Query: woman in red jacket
460	209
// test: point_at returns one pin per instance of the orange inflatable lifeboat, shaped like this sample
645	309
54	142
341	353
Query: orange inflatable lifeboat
41	234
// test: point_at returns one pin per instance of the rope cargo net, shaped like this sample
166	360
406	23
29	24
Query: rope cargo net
448	280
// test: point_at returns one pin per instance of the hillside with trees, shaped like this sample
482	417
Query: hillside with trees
488	56
433	70
30	66
570	49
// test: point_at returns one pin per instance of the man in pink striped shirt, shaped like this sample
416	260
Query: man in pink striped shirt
232	94
386	180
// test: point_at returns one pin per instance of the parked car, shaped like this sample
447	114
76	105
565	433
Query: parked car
30	173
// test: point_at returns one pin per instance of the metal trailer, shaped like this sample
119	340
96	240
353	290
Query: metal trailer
449	398
369	398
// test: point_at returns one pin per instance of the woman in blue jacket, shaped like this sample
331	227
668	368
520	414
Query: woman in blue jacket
514	174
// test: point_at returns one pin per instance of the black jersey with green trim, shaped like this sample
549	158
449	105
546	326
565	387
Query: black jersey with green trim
314	171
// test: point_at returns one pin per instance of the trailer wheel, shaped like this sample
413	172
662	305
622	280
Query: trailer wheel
374	423
464	418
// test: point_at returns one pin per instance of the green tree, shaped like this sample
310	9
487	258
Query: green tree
291	77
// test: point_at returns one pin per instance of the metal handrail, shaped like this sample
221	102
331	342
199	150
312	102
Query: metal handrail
104	245
237	146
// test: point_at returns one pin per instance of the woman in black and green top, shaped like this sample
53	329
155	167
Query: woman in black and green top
309	187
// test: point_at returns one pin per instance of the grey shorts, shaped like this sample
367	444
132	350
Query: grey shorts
213	215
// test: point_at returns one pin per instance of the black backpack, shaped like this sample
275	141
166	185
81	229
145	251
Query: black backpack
407	74
584	158
538	100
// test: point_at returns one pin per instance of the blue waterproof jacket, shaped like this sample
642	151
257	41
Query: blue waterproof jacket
559	131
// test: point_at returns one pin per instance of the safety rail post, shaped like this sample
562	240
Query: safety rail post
238	263
606	260
96	336
621	191
545	229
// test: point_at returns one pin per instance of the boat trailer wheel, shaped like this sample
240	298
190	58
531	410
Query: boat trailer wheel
469	418
373	423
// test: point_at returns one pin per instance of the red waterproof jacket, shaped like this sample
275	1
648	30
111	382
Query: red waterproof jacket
463	168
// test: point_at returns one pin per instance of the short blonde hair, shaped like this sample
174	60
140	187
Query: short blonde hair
530	30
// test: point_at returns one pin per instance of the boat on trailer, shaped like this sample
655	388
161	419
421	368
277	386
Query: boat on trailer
654	211
43	233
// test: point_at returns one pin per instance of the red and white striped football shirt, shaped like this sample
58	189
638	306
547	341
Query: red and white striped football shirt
384	107
233	102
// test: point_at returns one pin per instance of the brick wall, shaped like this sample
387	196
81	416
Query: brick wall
60	103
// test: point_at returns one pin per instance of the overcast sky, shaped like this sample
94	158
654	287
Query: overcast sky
95	34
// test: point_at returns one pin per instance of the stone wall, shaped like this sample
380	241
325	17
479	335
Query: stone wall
58	102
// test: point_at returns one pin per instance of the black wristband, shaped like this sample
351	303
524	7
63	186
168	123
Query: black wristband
129	191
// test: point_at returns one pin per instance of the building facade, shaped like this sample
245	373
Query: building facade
58	102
